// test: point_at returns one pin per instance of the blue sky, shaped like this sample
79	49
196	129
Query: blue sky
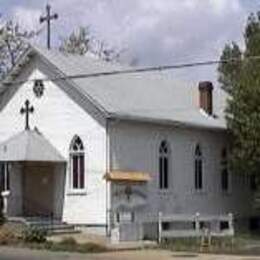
151	31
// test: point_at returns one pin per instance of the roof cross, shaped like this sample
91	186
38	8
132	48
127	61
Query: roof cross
27	110
48	19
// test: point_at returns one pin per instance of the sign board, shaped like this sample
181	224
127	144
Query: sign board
115	235
125	216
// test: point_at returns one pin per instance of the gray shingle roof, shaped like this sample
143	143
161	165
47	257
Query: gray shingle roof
29	146
145	96
140	96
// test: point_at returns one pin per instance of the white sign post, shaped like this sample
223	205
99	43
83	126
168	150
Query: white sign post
5	195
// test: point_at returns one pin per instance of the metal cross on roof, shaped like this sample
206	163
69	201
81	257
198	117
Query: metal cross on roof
27	110
48	19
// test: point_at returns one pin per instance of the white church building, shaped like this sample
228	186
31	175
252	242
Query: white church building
95	151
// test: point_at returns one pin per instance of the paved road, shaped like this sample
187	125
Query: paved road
26	254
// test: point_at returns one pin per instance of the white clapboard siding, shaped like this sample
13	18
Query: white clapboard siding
135	146
59	117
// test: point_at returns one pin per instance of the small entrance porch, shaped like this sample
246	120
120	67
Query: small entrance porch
38	186
32	177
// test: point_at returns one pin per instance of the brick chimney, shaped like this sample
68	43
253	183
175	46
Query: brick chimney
206	97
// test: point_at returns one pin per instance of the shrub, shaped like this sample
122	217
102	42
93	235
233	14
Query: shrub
68	244
71	245
91	247
34	235
181	244
68	241
218	244
7	236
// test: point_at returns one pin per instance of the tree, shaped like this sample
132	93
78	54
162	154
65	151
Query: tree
241	79
81	42
78	42
229	71
12	44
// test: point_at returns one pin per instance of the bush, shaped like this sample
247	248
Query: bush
34	235
68	241
181	244
226	244
7	236
218	244
70	244
91	247
67	244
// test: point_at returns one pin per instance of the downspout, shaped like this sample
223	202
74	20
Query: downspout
108	197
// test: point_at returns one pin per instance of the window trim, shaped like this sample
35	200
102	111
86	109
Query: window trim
5	171
77	153
225	167
198	162
164	156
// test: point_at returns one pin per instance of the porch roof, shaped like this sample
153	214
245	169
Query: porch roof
29	145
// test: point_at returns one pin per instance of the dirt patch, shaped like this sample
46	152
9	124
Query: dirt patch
80	238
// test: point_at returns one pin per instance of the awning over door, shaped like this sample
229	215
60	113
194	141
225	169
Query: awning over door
29	145
126	176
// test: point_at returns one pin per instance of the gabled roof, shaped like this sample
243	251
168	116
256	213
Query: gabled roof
151	97
29	145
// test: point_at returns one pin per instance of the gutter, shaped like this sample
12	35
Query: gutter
139	119
108	187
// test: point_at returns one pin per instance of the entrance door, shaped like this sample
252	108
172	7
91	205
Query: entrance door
38	185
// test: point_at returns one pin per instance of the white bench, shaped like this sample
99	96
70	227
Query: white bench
195	225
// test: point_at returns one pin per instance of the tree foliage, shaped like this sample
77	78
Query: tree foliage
78	42
12	44
81	41
241	79
229	71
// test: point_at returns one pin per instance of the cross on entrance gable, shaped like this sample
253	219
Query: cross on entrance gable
27	110
48	19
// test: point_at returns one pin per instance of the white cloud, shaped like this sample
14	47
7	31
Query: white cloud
27	18
154	31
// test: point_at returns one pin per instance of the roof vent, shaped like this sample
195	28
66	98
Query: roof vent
206	97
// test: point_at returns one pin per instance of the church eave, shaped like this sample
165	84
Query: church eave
139	119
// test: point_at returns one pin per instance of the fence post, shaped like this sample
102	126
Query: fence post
160	227
230	223
197	222
5	197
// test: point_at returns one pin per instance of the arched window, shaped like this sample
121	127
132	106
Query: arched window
164	153
4	176
77	163
198	167
224	170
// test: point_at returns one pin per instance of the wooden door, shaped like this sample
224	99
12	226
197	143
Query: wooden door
38	193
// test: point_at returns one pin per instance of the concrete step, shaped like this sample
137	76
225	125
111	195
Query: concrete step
52	226
55	227
63	232
32	224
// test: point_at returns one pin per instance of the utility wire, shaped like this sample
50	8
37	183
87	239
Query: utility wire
135	70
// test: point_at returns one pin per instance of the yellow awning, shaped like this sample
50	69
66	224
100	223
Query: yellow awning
127	176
